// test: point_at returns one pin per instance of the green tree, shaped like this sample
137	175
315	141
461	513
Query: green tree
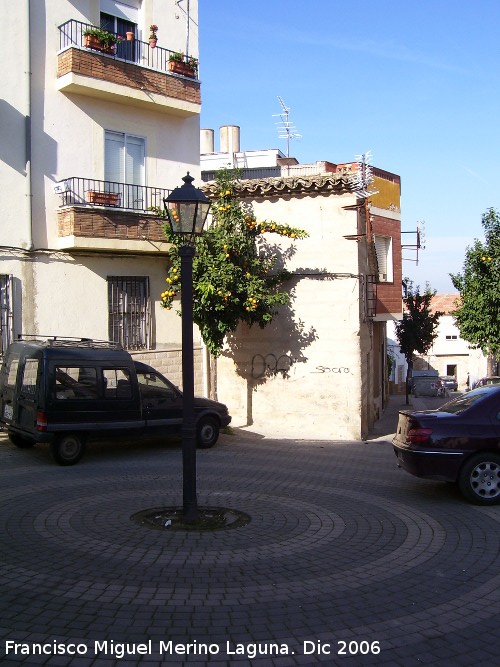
478	313
237	275
417	330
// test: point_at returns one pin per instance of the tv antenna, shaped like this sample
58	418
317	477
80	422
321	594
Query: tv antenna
286	129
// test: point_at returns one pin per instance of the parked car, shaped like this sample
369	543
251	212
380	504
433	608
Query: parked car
484	382
426	385
459	442
449	382
65	392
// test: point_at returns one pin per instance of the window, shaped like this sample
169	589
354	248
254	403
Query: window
30	372
124	159
76	382
5	312
154	386
120	26
448	337
117	383
383	248
128	304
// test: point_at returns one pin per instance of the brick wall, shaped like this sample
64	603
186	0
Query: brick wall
94	223
389	295
169	363
97	66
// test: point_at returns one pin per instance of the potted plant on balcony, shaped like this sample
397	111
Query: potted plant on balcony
181	64
100	40
153	37
103	198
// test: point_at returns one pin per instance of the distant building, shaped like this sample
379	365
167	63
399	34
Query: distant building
449	354
320	369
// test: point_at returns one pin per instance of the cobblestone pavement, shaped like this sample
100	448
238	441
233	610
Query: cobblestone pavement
346	561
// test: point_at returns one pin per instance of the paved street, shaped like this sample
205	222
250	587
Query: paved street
346	560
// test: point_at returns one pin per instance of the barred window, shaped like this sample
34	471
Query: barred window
5	312
128	302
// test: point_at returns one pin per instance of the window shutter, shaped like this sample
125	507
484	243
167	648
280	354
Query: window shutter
114	167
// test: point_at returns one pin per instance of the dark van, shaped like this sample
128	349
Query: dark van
64	392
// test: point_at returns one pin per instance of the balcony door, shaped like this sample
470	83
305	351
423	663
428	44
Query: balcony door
120	26
124	160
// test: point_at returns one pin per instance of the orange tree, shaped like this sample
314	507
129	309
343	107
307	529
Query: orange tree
236	276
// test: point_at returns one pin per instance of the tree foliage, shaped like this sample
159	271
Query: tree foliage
478	315
417	330
237	275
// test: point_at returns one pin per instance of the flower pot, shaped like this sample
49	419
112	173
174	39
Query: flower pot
178	67
152	43
103	198
93	42
130	36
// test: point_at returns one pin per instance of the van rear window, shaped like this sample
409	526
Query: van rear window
76	382
11	370
30	372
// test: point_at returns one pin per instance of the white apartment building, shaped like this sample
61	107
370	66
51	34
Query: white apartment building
92	137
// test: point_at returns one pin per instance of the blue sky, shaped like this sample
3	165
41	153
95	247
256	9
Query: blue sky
416	82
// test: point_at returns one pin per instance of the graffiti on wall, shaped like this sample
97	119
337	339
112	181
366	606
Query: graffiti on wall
272	364
335	369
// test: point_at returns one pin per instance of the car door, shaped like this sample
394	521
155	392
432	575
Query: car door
161	403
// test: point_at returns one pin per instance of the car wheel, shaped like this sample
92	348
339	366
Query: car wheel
19	441
68	449
479	479
207	432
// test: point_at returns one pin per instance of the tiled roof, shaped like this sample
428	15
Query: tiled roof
315	184
444	303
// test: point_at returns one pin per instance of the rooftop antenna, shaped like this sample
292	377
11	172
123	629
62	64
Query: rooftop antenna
286	129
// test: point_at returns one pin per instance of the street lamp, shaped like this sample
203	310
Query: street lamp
187	209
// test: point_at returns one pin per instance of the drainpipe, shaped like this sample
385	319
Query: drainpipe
27	130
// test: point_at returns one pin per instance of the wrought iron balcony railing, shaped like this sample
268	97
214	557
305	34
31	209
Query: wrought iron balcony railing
75	191
157	58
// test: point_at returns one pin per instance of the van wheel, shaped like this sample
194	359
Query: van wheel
68	449
19	441
207	432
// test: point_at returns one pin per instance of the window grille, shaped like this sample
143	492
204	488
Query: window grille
128	302
5	312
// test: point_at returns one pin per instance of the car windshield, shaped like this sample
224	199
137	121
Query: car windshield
464	402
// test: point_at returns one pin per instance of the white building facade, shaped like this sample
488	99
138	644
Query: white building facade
92	137
319	370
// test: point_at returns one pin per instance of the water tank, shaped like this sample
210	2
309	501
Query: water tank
206	141
230	139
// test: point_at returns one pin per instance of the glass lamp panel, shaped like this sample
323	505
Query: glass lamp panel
201	216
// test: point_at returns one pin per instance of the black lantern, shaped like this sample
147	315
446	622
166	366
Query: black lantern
187	209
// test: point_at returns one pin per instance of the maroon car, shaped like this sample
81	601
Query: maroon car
459	442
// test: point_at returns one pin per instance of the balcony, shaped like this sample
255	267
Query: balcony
108	216
132	69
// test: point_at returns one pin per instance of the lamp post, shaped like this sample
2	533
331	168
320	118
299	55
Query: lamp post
187	209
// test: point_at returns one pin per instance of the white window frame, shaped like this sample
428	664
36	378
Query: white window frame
383	249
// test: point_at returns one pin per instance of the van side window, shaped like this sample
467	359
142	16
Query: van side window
117	383
76	382
30	372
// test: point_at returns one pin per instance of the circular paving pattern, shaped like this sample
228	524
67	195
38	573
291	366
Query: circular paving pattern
346	560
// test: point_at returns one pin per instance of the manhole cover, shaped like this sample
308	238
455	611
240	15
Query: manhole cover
209	518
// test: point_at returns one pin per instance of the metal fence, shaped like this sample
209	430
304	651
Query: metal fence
76	191
72	32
